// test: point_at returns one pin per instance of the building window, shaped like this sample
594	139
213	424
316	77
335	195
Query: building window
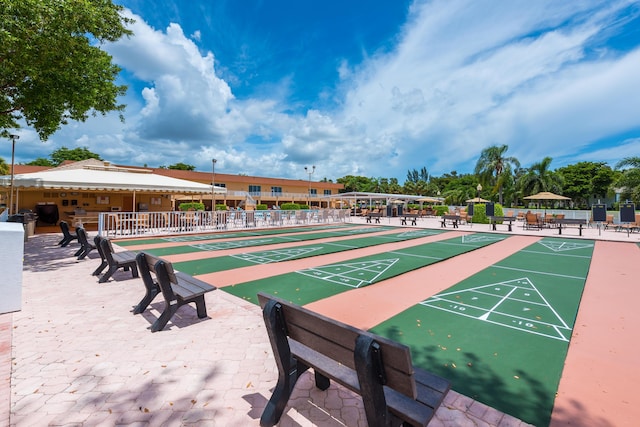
220	184
276	191
327	192
255	190
313	191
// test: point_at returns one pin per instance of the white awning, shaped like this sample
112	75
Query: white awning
106	180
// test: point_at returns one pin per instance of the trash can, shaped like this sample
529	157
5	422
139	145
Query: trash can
28	220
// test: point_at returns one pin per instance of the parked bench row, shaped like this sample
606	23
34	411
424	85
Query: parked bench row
381	371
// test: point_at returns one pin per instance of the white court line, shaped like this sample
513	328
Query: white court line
538	272
556	254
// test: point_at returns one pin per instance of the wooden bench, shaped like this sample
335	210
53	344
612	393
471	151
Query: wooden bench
377	217
380	370
413	217
85	245
570	221
176	287
116	260
454	220
494	220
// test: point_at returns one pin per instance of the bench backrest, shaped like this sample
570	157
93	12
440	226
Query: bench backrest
107	250
337	341
64	227
147	265
163	271
82	236
97	241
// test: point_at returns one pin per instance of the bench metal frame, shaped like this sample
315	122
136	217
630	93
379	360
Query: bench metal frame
177	288
380	370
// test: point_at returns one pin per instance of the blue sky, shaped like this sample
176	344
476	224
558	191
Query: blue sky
372	88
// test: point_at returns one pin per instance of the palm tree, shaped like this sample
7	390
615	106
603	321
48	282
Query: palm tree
540	178
492	164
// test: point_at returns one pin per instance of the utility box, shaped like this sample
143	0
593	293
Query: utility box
11	260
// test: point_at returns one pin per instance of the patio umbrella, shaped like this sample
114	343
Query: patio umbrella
545	195
428	200
477	200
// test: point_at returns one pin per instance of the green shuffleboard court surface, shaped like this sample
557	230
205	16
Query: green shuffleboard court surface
203	266
228	235
261	241
502	335
305	286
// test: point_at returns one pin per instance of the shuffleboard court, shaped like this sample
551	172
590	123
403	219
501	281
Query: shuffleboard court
308	285
501	336
204	266
229	235
262	241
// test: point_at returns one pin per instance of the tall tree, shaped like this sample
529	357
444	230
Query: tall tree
492	163
182	166
414	176
76	154
539	177
51	68
629	181
40	161
583	179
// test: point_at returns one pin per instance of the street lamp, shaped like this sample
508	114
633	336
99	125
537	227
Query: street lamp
309	172
213	186
479	188
13	153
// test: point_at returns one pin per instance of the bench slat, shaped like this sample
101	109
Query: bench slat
343	335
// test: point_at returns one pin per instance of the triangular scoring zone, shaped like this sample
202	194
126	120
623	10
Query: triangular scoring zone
268	257
354	274
515	304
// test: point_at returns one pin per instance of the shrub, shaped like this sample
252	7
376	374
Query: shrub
290	206
441	210
261	207
196	206
221	207
480	213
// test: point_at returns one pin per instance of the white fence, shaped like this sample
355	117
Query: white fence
131	224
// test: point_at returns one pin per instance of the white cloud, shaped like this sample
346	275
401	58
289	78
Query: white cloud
464	75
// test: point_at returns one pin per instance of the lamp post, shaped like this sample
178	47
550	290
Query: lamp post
309	172
213	186
13	153
479	188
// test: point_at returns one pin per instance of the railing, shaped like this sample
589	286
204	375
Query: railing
131	224
273	195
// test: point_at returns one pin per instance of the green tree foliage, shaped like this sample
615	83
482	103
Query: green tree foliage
415	176
355	183
40	161
4	167
584	179
182	166
51	69
491	166
539	177
75	154
629	181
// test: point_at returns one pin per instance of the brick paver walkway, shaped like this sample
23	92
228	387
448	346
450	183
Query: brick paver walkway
75	355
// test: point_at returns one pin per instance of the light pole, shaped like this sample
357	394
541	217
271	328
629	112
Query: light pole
213	186
309	172
13	153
